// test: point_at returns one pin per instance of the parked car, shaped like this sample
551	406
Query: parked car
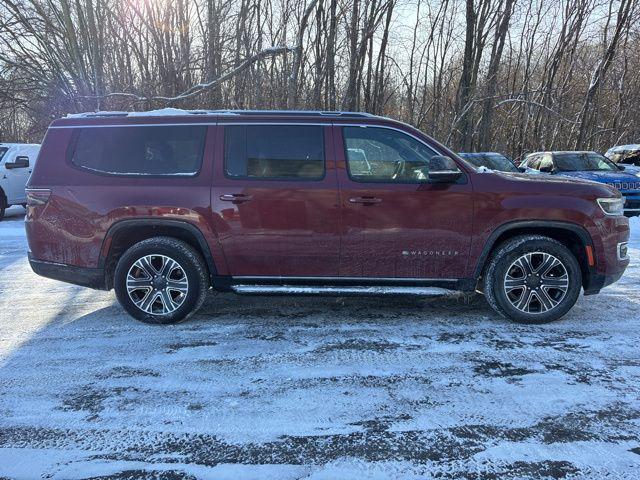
16	162
626	157
162	208
492	160
588	166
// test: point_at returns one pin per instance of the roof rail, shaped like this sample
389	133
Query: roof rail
179	112
302	113
97	114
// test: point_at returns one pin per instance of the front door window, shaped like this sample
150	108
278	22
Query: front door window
385	155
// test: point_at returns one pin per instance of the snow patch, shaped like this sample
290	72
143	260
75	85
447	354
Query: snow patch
166	112
30	463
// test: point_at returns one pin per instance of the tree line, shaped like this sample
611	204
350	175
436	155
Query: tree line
506	75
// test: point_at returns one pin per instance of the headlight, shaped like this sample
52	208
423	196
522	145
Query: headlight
612	206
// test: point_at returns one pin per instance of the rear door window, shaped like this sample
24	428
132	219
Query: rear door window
140	150
278	152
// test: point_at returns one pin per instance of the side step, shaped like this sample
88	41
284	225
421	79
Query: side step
338	291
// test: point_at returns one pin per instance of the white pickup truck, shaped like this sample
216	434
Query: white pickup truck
16	162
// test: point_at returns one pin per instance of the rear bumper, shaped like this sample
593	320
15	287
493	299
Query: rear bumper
85	277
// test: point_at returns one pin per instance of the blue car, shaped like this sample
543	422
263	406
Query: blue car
588	166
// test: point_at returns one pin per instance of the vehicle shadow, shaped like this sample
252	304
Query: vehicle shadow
282	310
329	309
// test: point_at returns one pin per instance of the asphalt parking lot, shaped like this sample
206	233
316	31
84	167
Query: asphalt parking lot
313	388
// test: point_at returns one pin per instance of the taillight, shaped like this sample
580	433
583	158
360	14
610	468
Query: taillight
37	196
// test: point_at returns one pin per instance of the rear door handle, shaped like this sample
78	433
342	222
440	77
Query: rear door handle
235	197
365	200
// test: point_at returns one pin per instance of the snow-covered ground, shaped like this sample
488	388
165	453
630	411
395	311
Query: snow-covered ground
314	388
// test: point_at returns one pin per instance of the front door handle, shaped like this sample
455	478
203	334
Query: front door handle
366	200
235	197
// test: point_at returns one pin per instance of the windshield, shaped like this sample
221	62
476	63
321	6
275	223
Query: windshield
494	161
589	161
3	150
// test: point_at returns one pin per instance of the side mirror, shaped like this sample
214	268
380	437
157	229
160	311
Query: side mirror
19	162
522	169
546	169
443	169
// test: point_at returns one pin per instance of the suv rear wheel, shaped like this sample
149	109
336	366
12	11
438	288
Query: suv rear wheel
161	280
533	279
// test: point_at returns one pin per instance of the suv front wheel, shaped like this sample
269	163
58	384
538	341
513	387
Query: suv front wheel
161	280
533	279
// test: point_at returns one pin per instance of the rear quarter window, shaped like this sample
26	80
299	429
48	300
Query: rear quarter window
139	150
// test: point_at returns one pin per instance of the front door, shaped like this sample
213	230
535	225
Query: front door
275	199
395	223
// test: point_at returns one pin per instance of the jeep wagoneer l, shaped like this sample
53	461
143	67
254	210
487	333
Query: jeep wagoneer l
163	208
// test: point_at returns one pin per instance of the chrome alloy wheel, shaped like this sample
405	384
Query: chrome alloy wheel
536	282
157	284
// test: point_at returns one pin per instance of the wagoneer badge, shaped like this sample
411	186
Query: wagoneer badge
429	253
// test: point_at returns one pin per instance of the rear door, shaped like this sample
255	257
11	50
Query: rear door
395	223
275	199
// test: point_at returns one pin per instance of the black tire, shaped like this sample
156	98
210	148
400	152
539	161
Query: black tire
190	276
541	298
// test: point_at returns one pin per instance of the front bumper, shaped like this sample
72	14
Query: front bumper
609	234
595	282
85	277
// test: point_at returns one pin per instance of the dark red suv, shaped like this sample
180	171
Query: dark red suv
165	207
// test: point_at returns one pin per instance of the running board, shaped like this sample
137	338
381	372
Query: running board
335	290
